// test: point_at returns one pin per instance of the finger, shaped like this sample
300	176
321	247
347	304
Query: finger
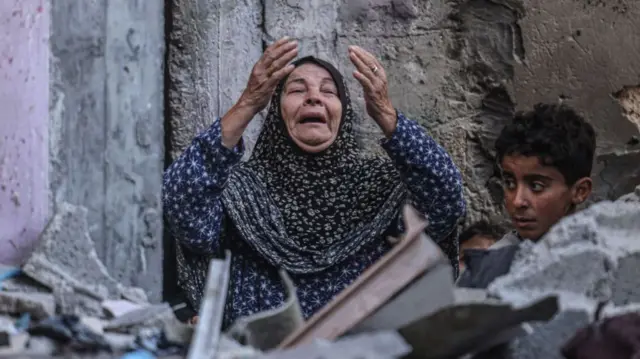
280	74
282	61
273	53
362	67
372	60
366	83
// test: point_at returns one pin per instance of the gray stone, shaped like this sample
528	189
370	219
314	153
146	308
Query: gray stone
106	129
377	345
42	346
23	283
151	315
134	294
545	341
39	305
70	302
64	248
626	289
581	257
120	341
17	345
118	308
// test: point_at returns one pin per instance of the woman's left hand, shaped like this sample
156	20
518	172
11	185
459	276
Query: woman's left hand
373	79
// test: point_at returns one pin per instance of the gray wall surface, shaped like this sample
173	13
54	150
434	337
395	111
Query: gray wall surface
460	68
106	129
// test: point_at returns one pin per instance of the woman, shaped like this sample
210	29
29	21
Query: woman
308	200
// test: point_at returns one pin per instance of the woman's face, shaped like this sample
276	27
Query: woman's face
311	108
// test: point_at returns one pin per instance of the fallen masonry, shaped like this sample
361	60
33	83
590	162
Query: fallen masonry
583	273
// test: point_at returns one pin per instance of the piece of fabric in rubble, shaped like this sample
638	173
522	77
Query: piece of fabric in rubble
323	218
613	338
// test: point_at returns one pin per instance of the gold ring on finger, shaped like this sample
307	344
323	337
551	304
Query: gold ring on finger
374	69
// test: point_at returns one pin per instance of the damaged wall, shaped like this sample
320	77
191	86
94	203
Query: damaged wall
24	96
458	67
107	139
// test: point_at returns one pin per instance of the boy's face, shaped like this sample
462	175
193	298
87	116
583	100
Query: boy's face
537	196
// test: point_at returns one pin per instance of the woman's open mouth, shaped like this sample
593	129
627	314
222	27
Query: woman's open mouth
312	120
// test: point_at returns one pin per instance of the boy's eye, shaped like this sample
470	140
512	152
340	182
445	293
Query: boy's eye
537	187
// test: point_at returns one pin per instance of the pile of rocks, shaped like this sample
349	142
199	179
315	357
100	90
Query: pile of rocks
62	303
591	261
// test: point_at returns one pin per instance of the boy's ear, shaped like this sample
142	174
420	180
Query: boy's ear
581	190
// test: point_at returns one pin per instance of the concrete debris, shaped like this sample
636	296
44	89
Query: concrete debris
64	247
69	301
16	344
119	307
39	305
377	345
145	316
606	235
76	305
472	327
588	259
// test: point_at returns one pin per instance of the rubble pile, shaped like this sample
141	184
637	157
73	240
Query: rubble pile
591	261
63	302
579	281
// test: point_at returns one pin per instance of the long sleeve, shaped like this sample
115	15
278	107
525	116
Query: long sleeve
429	172
192	187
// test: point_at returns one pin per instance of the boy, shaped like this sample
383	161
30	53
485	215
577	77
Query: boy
479	235
545	157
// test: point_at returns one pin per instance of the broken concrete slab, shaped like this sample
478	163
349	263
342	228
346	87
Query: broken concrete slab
588	258
119	307
70	302
17	344
65	247
468	328
151	315
601	235
382	344
24	283
39	305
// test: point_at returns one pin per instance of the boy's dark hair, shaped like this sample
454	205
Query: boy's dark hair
554	133
482	228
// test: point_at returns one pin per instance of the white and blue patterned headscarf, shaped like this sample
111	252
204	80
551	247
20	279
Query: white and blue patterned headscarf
305	212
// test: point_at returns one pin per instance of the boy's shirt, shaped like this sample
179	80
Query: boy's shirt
482	266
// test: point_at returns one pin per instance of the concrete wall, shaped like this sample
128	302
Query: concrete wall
107	139
461	68
24	103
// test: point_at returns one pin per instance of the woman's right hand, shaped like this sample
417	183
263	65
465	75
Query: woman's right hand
272	67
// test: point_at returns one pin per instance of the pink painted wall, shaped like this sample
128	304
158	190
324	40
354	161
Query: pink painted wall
24	119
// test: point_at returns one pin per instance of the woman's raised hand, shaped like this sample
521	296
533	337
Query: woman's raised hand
272	67
371	75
